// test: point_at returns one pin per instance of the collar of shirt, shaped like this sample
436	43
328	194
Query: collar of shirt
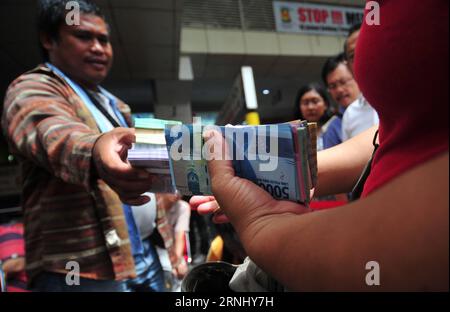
102	122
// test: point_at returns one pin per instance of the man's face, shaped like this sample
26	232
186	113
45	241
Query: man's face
83	52
341	85
350	49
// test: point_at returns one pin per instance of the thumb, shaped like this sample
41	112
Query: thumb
220	167
229	189
126	136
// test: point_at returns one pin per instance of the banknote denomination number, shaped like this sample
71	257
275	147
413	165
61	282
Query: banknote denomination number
276	191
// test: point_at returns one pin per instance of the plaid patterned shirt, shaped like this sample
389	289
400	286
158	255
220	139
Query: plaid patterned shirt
69	214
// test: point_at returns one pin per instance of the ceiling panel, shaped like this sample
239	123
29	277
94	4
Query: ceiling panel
210	90
261	64
147	4
221	71
313	68
150	62
222	66
177	28
286	66
198	62
145	27
224	59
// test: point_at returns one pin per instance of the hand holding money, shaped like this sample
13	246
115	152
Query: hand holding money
231	192
280	159
110	162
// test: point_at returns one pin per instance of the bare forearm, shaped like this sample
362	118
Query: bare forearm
403	227
179	244
340	167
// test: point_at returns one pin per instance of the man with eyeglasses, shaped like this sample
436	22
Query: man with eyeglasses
359	115
344	90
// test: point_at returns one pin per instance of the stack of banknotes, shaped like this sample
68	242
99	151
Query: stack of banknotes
279	158
150	152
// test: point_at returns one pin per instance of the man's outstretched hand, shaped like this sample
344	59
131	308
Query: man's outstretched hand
110	159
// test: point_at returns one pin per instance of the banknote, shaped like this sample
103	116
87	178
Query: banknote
274	157
279	158
150	152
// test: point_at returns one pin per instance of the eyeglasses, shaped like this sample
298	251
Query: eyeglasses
339	83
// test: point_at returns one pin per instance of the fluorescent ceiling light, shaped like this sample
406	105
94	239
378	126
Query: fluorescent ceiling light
249	87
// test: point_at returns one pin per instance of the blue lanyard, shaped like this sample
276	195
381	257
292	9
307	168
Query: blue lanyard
102	122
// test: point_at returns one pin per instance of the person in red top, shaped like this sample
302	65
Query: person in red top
410	89
12	257
400	225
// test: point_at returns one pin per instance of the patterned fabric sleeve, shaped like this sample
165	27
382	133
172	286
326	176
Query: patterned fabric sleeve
42	125
165	229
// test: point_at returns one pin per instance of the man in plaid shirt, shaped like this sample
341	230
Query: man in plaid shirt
71	138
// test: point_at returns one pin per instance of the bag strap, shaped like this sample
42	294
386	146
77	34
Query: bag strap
359	186
102	109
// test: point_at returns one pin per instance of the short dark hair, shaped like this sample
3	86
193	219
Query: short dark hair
330	65
354	28
52	14
313	86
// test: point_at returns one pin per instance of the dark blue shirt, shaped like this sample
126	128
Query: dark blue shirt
333	135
